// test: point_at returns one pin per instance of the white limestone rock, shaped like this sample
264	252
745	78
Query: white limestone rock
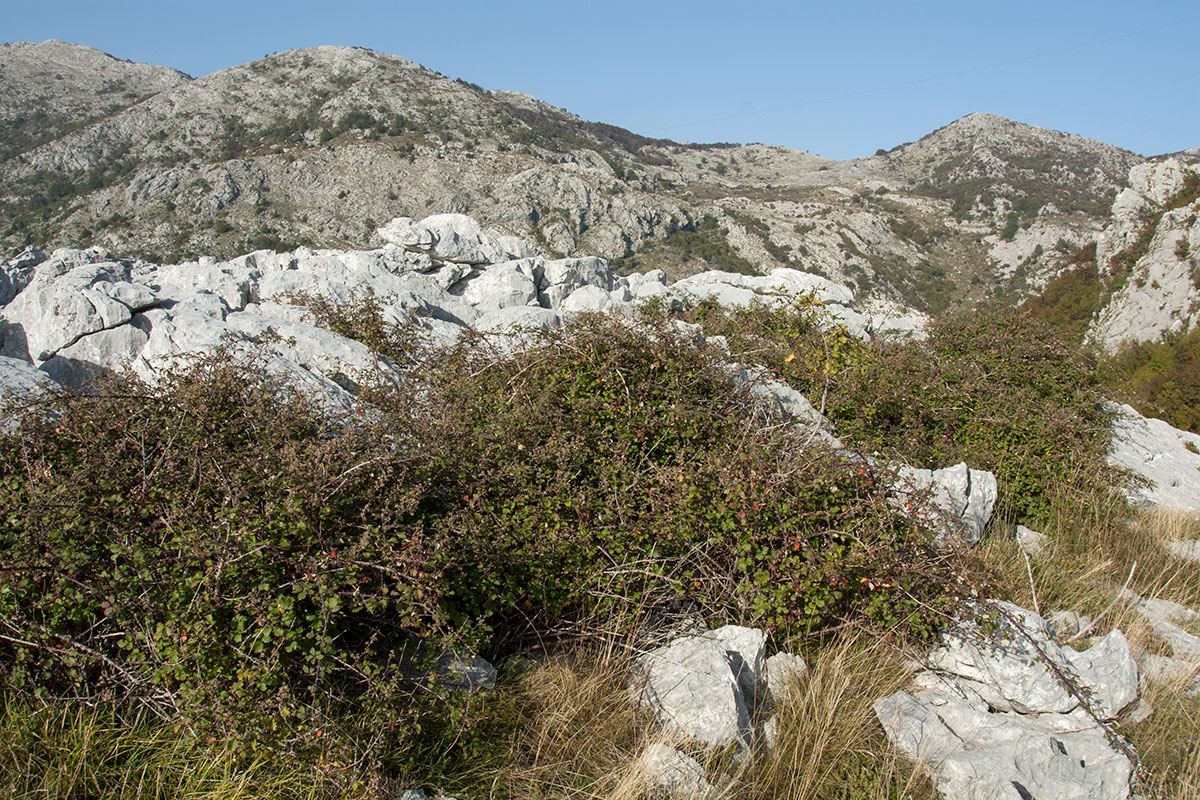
511	283
1167	619
62	305
1162	294
690	687
785	400
18	272
784	671
564	276
679	776
20	381
1160	454
992	716
1020	667
593	299
108	351
514	318
650	285
173	338
344	361
1031	541
232	283
456	238
746	652
964	497
973	754
1065	624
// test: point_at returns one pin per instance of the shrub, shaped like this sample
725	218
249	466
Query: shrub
632	447
207	549
1161	379
214	549
1001	391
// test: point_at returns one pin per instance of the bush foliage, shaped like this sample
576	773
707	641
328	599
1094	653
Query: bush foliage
1001	391
214	550
1162	379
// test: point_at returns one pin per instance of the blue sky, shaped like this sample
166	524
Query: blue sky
839	79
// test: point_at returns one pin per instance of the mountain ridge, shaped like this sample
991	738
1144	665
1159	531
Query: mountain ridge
318	146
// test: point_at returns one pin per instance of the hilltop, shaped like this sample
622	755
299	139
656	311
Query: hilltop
320	146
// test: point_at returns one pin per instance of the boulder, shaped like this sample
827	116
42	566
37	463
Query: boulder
593	299
1020	667
1031	541
663	769
53	313
515	318
784	671
18	272
992	715
19	381
780	286
1067	624
456	238
746	652
107	351
1160	454
566	275
512	283
690	687
784	400
972	753
964	497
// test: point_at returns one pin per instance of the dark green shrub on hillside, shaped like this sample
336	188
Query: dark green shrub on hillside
1002	392
1161	379
702	247
610	446
214	549
1071	300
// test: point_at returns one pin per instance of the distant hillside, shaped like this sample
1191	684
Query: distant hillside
48	89
985	163
321	146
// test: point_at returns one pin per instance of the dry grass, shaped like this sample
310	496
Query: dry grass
575	734
1094	544
830	744
1167	742
52	753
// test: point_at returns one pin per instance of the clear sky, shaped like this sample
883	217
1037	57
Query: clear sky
839	79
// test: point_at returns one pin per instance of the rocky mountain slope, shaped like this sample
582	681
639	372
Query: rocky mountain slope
1150	253
319	146
52	88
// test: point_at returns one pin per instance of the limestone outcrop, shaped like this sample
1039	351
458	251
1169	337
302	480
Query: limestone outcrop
1011	712
1153	220
76	314
1164	458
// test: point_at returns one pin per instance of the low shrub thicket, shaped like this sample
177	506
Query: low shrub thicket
215	551
1162	379
1001	391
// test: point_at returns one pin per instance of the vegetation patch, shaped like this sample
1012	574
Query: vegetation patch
686	251
215	552
1003	392
1161	379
